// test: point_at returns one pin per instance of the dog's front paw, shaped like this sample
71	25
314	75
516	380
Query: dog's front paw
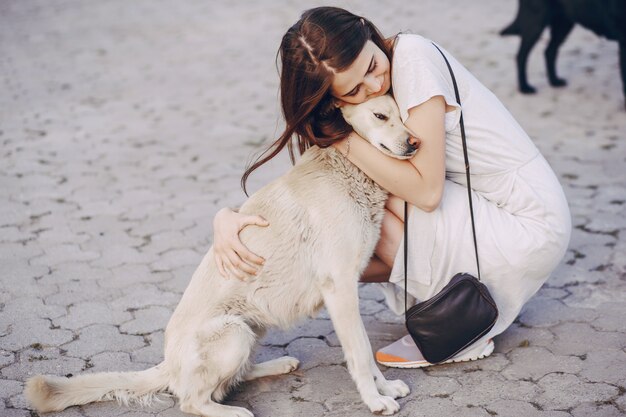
287	363
394	388
383	405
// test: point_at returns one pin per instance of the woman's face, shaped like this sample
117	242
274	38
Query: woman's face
366	78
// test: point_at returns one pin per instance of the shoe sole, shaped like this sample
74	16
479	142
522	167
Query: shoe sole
468	357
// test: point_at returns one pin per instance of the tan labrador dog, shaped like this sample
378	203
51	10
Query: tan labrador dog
325	218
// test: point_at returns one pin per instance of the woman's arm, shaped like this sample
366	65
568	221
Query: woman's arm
420	179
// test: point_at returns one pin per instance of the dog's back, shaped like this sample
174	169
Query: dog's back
321	212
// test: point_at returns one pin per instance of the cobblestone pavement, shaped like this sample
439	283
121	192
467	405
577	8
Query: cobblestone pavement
124	126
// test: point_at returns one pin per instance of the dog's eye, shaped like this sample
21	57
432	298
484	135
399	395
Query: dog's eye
380	116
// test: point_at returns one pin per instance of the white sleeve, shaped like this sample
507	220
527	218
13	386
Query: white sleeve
419	72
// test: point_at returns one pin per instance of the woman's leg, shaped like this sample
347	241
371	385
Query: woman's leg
391	233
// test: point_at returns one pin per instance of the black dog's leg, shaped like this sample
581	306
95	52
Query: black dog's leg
532	20
560	27
622	64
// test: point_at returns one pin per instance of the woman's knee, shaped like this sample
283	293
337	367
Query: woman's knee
395	205
391	233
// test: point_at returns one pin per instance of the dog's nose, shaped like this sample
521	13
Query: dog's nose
412	143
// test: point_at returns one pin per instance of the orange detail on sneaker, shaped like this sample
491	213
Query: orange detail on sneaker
412	357
386	357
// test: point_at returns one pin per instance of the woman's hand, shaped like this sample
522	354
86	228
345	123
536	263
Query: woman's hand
231	256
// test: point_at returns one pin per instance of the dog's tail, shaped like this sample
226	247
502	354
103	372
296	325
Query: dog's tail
52	393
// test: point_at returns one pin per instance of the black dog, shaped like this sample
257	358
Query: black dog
604	17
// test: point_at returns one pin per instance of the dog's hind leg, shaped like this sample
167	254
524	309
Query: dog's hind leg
212	360
560	27
342	301
277	366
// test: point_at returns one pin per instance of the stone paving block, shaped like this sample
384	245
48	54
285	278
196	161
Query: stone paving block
314	352
17	252
65	252
279	404
144	295
580	339
6	358
111	238
87	313
495	362
153	352
287	383
104	409
12	213
31	330
94	226
593	296
370	307
309	328
485	387
169	240
176	258
78	290
388	316
612	317
114	362
178	279
519	336
553	293
102	338
128	273
580	237
562	391
605	366
44	363
542	312
30	279
157	223
439	407
118	255
532	363
12	234
370	292
513	408
318	387
140	213
9	388
60	233
147	320
108	163
12	412
596	410
424	385
75	272
621	403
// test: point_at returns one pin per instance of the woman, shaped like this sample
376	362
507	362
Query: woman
331	57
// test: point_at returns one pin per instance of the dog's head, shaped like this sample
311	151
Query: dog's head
378	121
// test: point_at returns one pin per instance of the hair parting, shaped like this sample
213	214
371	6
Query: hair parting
324	41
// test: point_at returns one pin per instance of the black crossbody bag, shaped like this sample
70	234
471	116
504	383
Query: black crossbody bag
463	311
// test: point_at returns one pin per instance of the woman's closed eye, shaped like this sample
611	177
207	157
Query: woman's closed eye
358	88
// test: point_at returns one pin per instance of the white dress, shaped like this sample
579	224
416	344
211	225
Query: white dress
522	218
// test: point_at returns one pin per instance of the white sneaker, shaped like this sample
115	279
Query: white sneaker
403	353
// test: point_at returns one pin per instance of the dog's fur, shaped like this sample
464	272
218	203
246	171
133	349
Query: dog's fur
604	17
324	217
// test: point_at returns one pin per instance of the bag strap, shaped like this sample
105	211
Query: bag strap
469	188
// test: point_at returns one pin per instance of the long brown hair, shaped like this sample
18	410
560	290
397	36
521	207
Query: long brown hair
325	40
